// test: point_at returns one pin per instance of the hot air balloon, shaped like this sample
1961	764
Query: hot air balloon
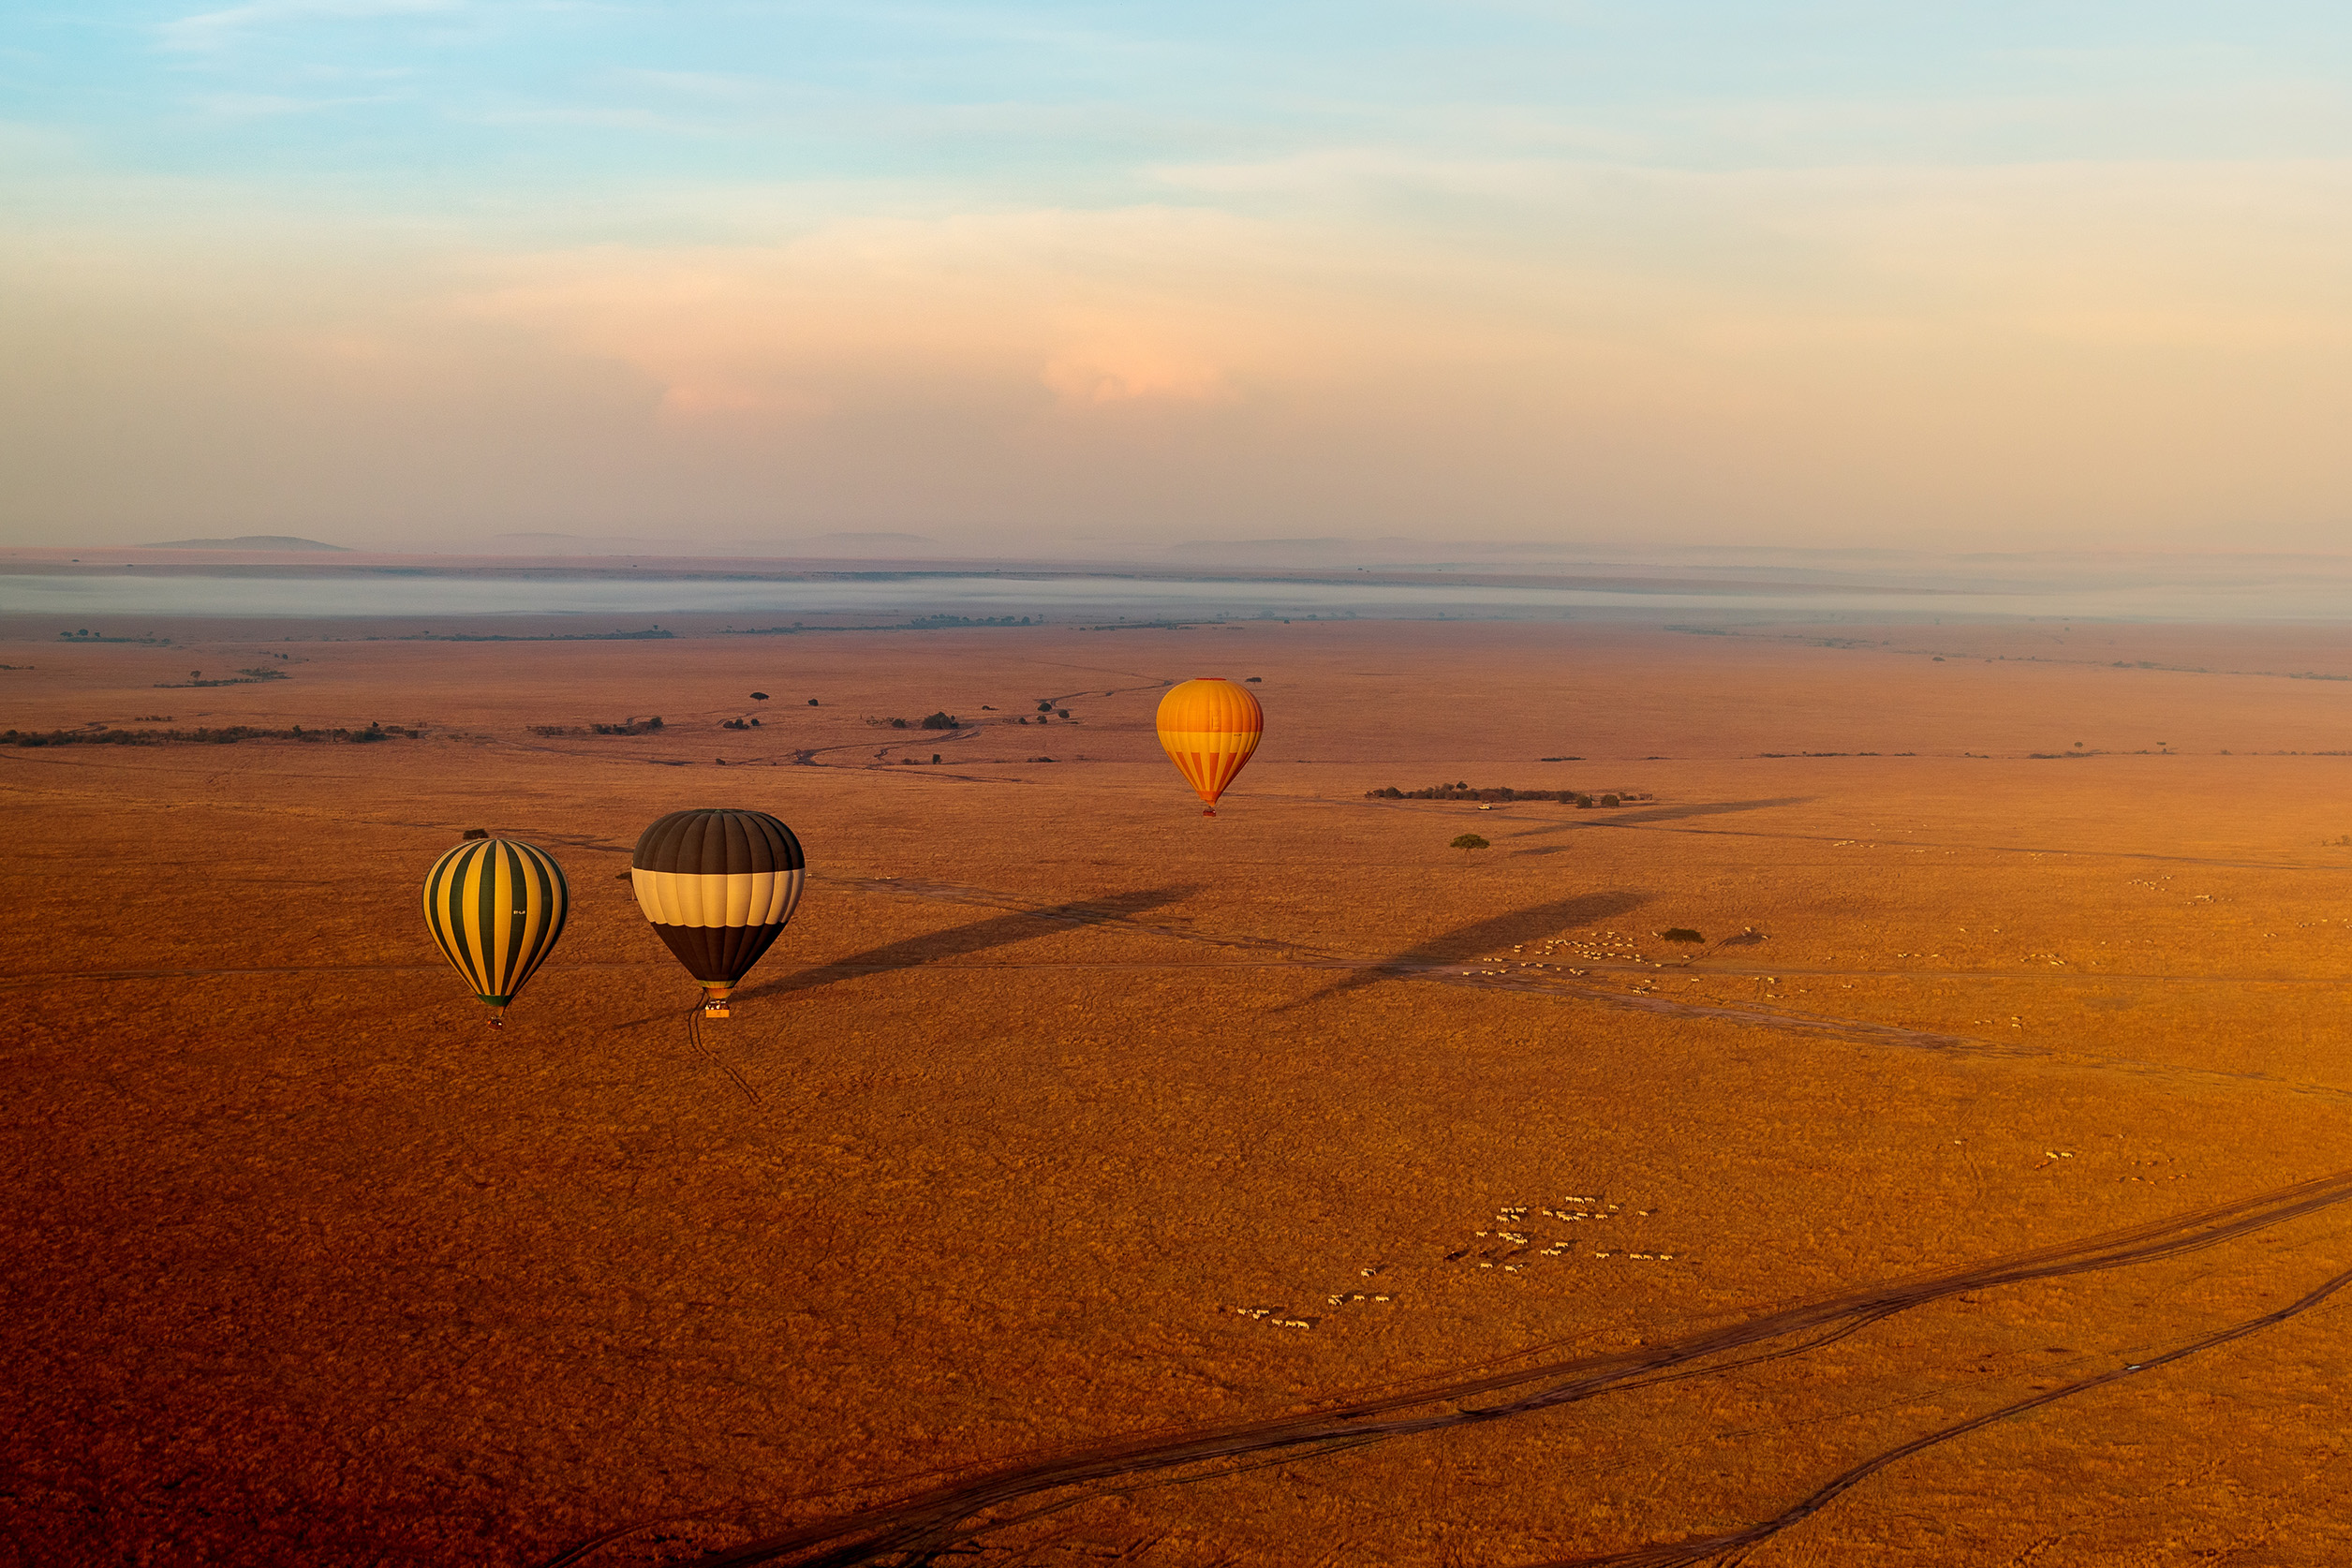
719	887
496	907
1209	727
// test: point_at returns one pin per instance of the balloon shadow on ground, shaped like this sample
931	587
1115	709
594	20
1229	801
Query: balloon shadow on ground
1482	937
1653	814
979	937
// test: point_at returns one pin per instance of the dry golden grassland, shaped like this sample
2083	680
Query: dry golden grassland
1064	1113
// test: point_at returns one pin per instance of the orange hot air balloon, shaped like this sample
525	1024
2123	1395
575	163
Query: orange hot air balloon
1209	727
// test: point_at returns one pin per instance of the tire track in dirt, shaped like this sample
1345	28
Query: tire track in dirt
915	1528
1688	1553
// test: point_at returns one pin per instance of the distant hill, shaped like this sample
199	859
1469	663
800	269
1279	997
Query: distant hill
244	541
801	544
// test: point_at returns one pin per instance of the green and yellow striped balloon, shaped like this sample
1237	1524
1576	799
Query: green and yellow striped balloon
496	907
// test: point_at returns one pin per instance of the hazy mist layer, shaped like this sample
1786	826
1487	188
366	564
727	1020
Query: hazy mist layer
1294	578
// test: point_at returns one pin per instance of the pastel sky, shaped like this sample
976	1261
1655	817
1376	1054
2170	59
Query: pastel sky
1056	275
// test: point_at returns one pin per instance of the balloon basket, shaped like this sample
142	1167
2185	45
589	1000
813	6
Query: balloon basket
498	1017
714	1005
1210	812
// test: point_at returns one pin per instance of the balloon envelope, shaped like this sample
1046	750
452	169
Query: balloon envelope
1209	727
496	907
717	886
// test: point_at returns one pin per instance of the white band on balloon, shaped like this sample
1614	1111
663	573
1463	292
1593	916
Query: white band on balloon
742	898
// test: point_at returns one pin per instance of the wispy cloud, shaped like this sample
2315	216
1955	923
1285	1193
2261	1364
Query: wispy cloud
269	106
212	29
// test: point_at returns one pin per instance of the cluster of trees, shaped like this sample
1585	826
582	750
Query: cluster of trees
740	724
940	720
225	736
626	726
1464	792
243	677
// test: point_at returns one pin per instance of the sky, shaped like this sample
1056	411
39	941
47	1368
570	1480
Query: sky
1029	278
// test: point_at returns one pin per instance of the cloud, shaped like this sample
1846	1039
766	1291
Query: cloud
1093	310
212	29
271	106
1123	362
1351	344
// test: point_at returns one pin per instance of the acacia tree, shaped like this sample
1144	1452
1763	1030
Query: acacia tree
1468	841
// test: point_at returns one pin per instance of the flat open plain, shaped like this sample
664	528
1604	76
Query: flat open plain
1063	1113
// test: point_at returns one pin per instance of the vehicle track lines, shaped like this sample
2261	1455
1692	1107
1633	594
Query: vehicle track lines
916	1527
1686	1554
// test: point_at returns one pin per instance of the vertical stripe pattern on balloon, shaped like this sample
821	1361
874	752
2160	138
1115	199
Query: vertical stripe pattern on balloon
496	905
1209	727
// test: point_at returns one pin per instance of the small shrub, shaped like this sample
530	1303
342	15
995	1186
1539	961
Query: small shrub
1680	934
899	724
1468	841
1255	679
812	702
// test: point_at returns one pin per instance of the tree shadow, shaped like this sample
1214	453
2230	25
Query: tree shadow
1484	936
1652	814
1712	809
979	937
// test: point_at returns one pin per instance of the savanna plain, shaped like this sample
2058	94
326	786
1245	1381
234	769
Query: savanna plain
1066	1120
